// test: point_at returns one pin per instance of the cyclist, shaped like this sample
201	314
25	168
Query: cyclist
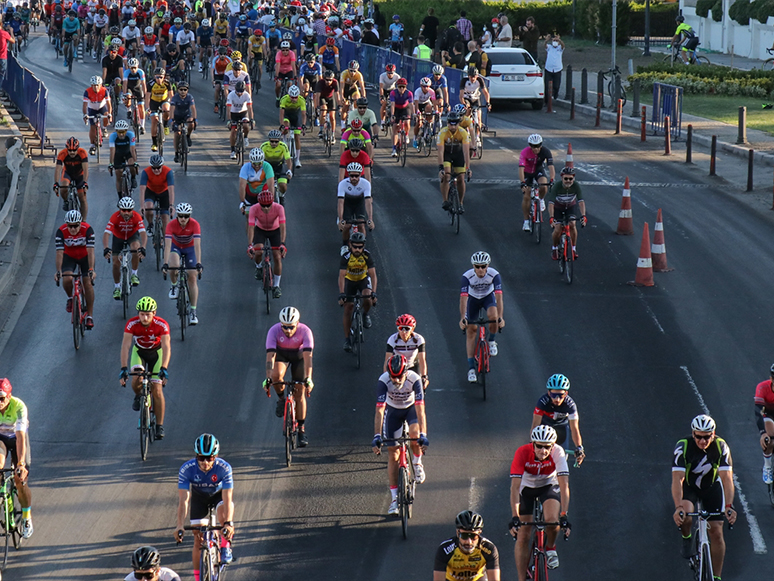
685	37
96	102
424	106
310	73
239	108
254	177
440	84
401	101
325	95
127	229
146	344
236	72
277	154
396	34
219	65
146	563
354	201
453	152
357	272
399	398
75	247
367	117
173	62
221	27
123	152
467	555
355	154
329	55
72	165
157	183
290	343
186	42
150	46
113	70
562	201
266	219
160	89
286	68
71	28
352	88
100	28
388	81
472	88
539	472
702	471
182	109
273	37
14	438
532	162
183	243
293	109
356	131
256	46
135	87
481	288
764	417
131	34
309	44
558	410
242	32
409	344
204	33
206	482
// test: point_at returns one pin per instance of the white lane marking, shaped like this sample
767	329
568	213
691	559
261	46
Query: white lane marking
759	545
473	494
651	313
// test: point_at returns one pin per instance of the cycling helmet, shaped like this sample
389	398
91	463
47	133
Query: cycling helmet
116	42
353	65
362	102
288	36
425	82
472	71
224	42
148	30
258	32
535	139
395	17
703	423
184	208
567	171
145	559
102	12
126	203
453	117
330	41
156	160
122	125
236	65
70	13
236	55
242	17
93	10
285	45
289	316
133	63
5	386
239	87
680	18
159	71
396	366
309	58
114	30
328	74
266	198
401	82
187	26
171	47
178	20
389	68
73	217
222	50
543	434
356	124
206	445
273	24
301	21
406	321
72	144
294	91
355	167
206	22
256	155
357	238
438	70
772	370
356	144
480	257
460	109
96	80
275	134
168	16
132	23
184	85
558	381
146	305
468	520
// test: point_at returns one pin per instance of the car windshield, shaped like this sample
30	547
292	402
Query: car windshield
510	58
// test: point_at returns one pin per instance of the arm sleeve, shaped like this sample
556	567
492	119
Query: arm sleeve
90	237
381	394
464	284
59	245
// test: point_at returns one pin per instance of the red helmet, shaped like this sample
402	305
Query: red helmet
224	42
357	124
266	197
72	144
330	41
390	68
396	366
406	321
258	32
402	81
5	386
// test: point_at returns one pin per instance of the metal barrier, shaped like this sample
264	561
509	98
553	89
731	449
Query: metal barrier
14	157
667	101
30	96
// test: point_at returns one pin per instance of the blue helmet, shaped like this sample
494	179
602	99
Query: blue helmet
206	445
558	381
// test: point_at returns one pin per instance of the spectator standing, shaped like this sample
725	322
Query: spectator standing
505	36
429	28
369	36
487	37
379	18
449	38
465	26
421	50
553	68
457	59
529	34
478	58
5	38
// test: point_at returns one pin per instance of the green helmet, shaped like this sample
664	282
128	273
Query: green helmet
146	305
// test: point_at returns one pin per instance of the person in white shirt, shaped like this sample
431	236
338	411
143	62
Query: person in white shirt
131	34
239	106
354	201
505	36
553	68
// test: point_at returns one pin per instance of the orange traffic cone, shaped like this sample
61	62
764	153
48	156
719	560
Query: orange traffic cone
658	248
644	276
568	159
625	225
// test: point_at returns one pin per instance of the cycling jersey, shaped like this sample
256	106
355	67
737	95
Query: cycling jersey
125	229
274	37
461	566
533	162
285	61
535	473
149	43
122	144
396	32
388	83
325	89
764	404
347	78
231	78
563	197
351	134
14	418
73	166
71	26
255	44
205	35
220	64
368	118
356	267
421	96
256	179
275	155
185	37
134	79
452	140
218	478
287	104
685	29
311	71
183	237
75	245
239	103
347	158
329	54
100	21
242	29
130	33
352	193
401	100
697	463
159	92
165	574
409	349
302	339
266	221
182	105
95	100
479	287
221	27
409	393
556	415
437	83
471	89
112	66
147	337
157	183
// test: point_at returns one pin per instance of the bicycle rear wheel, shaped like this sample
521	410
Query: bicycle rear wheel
455	200
76	316
289	433
158	247
403	500
7	523
144	430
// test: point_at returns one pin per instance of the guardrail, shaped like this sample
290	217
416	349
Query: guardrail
15	157
667	102
30	96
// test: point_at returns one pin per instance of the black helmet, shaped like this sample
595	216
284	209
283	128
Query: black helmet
357	238
680	18
355	144
468	520
182	85
396	366
567	171
239	87
362	102
145	558
329	74
772	370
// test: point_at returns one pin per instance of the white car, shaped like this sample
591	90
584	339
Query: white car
515	75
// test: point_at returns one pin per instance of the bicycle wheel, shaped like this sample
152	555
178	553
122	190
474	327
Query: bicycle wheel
182	308
706	564
403	501
328	142
354	335
703	60
208	566
428	145
289	432
144	430
537	221
76	318
158	249
541	568
267	280
70	59
455	206
125	292
17	518
403	149
570	259
479	144
771	493
768	65
6	517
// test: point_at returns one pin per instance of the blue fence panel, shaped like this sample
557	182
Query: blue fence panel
29	95
667	101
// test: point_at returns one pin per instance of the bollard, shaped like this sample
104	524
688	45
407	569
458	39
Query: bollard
568	85
713	152
601	86
584	87
599	108
689	144
749	170
667	136
549	97
741	135
572	104
643	124
635	97
618	116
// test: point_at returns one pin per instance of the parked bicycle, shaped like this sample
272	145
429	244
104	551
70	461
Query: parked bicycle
11	514
615	88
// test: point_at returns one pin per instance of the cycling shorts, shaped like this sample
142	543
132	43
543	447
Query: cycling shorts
289	75
120	158
163	199
529	177
155	106
259	236
118	244
69	263
137	93
201	505
150	358
528	496
279	171
454	160
561	213
472	102
402	113
327	103
711	499
293	120
691	43
9	443
187	255
354	209
92	114
237	117
392	426
218	78
77	180
350	90
475	305
352	286
296	361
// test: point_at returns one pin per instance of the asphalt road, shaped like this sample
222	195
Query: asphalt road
639	361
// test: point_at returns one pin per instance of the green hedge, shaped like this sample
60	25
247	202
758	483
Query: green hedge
662	19
740	11
704	6
708	79
594	20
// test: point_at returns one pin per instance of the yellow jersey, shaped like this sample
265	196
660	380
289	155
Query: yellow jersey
466	121
348	78
287	104
275	155
460	566
221	27
255	43
356	267
452	141
160	92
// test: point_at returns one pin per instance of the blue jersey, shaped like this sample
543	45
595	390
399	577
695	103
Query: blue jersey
396	32
173	30
205	34
71	26
182	105
122	143
243	28
480	287
274	37
134	79
16	26
441	83
192	478
315	69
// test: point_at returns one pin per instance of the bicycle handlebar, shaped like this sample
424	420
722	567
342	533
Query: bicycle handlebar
202	527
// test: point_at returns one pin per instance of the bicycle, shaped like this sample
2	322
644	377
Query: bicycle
701	561
356	333
327	137
265	273
134	112
537	568
615	85
113	96
126	180
239	143
403	144
694	59
210	565
221	101
158	235
67	52
536	212
78	315
770	487
455	211
476	136
182	146
70	196
289	422
125	283
566	254
147	422
159	116
183	301
98	123
427	136
255	69
407	483
289	138
481	354
206	63
11	514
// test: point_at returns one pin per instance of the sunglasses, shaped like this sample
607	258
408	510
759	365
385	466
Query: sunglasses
695	437
468	536
405	329
479	266
181	89
288	327
74	226
361	108
543	446
274	141
184	216
357	246
144	575
536	146
205	458
556	395
453	122
4	397
568	179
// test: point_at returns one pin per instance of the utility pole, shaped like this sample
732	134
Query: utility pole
647	29
615	17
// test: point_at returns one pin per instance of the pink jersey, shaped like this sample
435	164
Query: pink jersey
302	339
266	221
285	62
183	237
764	395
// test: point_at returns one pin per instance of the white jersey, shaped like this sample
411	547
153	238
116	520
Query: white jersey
387	83
165	574
533	473
101	21
230	78
421	97
185	37
405	396
479	287
239	103
409	349
472	90
129	33
127	12
348	190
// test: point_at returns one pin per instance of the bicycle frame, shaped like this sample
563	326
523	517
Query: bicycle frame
481	353
536	214
267	272
126	286
406	479
289	421
78	315
210	565
147	421
701	561
356	334
566	255
10	515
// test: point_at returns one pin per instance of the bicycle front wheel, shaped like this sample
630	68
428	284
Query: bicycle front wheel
480	145
289	432
771	494
403	149
8	525
403	499
125	293
158	247
267	280
706	564
355	336
144	431
76	315
537	221
208	566
182	309
703	60
541	568
569	262
17	519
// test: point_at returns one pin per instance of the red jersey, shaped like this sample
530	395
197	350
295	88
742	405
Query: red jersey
95	99
73	166
347	158
75	245
764	396
220	65
125	229
147	337
164	31
535	473
183	237
158	184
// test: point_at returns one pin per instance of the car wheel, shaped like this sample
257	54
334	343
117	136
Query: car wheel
537	104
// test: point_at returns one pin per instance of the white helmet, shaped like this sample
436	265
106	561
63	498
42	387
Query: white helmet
480	257
425	82
132	23
535	139
184	208
206	22
289	316
126	203
133	63
257	155
543	435
122	125
285	44
73	217
703	423
96	80
116	42
354	167
148	30
294	91
438	70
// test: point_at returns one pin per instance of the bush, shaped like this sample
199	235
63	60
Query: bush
717	11
594	20
708	79
703	7
662	19
740	11
762	9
